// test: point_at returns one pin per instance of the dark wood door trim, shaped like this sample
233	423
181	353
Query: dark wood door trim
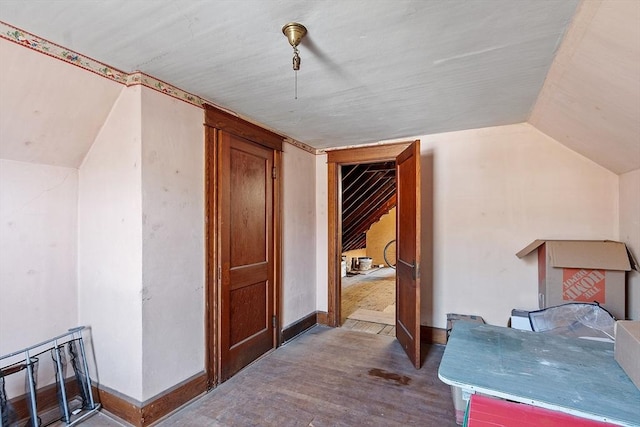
212	340
335	159
219	119
371	154
277	245
215	121
334	242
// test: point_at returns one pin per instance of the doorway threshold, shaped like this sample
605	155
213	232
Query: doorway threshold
369	327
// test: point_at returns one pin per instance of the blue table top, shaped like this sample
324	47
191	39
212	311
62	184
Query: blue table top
571	375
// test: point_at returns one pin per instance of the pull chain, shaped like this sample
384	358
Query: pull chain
294	32
296	67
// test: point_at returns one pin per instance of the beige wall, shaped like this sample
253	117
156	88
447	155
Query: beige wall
110	247
322	233
487	193
173	259
630	234
38	250
494	191
299	234
115	242
141	252
50	113
378	235
132	219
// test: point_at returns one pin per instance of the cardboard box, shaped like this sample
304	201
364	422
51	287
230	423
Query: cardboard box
627	348
452	318
582	271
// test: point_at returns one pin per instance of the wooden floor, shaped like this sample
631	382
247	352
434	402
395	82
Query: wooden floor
328	377
357	375
325	377
368	302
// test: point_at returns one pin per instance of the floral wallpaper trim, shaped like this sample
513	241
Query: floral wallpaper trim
53	50
302	146
31	41
41	45
139	78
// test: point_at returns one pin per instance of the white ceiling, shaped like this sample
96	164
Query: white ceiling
371	70
591	99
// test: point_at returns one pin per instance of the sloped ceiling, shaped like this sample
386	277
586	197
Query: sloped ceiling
591	99
50	112
371	71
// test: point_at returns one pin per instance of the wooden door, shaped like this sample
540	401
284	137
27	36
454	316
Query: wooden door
246	275
408	251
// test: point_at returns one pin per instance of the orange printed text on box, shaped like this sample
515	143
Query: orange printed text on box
579	284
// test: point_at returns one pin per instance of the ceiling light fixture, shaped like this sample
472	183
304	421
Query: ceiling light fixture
294	33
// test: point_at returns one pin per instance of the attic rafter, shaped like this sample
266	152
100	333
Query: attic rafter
377	214
368	192
369	187
359	178
371	217
365	208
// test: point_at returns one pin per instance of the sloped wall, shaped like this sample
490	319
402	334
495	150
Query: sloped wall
50	111
589	101
50	114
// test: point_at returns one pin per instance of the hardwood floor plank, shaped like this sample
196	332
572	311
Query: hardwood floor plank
349	323
389	330
390	309
372	292
374	316
368	327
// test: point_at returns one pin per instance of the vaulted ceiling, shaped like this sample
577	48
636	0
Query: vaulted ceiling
371	70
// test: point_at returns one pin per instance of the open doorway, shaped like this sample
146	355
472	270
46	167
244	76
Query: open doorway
408	232
368	295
